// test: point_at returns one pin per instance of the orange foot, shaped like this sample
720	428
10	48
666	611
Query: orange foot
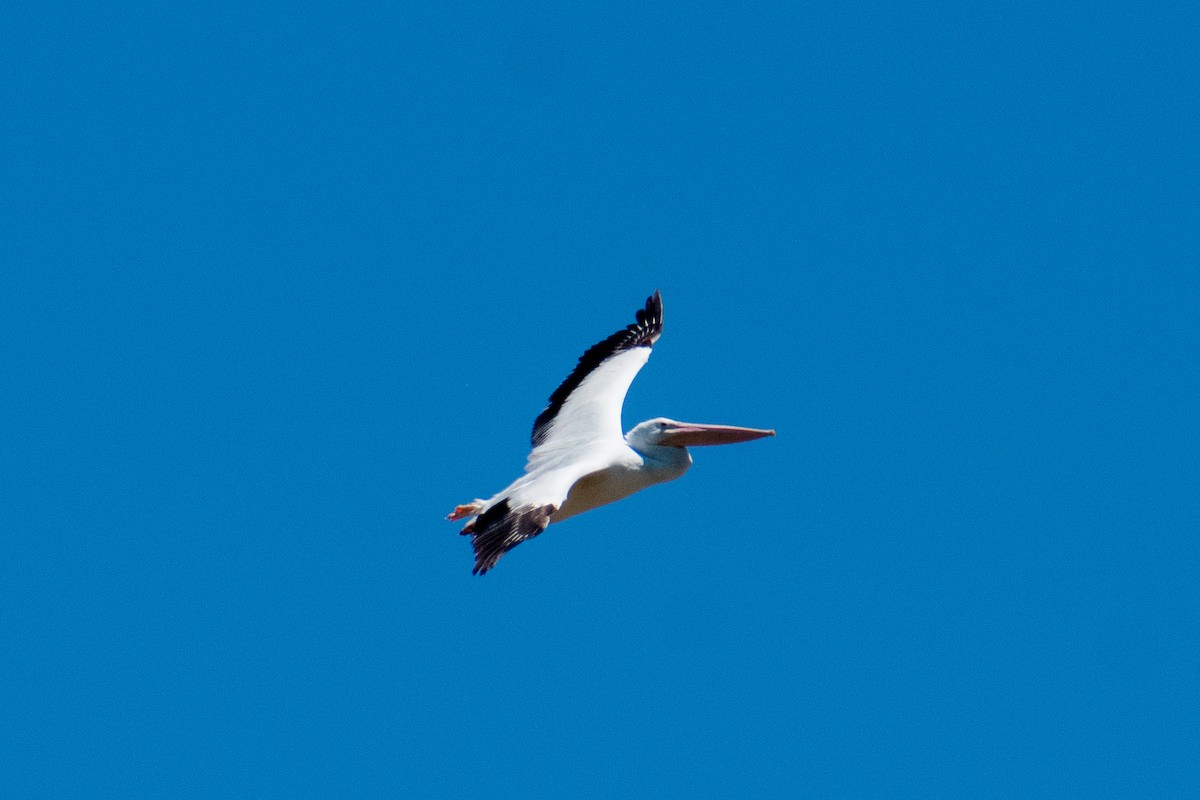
468	510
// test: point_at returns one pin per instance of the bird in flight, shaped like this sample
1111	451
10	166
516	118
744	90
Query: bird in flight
580	459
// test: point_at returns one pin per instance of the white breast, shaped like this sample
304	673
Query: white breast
621	479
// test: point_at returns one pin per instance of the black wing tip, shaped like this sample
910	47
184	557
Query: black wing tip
651	317
501	528
644	332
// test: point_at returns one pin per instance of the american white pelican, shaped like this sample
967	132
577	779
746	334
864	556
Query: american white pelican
579	459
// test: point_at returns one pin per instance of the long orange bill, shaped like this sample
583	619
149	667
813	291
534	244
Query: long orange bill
691	435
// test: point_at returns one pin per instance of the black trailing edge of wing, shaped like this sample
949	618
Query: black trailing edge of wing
501	528
643	333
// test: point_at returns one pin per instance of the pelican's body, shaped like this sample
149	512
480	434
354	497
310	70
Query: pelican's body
633	466
580	460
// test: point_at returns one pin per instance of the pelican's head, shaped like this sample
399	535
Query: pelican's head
669	433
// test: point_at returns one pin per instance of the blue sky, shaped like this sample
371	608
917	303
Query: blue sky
283	284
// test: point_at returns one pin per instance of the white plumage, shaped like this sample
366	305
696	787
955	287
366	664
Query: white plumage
580	459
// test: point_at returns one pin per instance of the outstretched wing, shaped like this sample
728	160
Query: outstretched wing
523	510
502	527
586	407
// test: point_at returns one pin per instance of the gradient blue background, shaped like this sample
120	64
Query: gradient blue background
284	283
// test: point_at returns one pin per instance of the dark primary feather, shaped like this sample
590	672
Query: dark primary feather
501	528
643	333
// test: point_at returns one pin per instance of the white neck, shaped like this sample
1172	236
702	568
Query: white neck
665	463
